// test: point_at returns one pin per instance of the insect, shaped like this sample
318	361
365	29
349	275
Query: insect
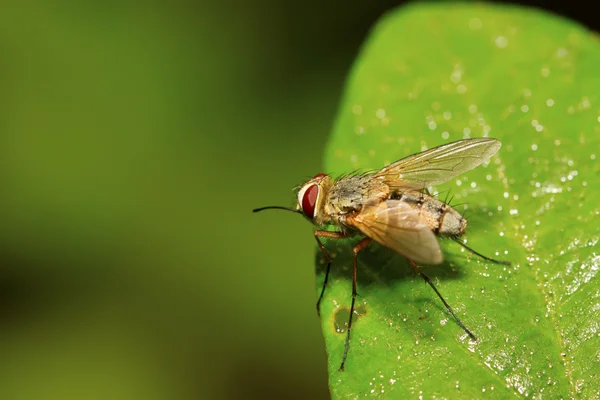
394	208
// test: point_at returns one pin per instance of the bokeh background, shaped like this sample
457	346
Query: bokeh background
135	139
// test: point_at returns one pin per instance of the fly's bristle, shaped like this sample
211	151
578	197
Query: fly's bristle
449	202
458	204
447	195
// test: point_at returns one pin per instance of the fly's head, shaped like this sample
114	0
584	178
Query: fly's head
312	197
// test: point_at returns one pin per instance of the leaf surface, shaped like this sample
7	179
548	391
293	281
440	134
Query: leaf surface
434	73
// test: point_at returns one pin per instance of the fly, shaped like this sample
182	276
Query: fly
394	208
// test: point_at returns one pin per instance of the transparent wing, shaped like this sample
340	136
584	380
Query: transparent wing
394	224
439	164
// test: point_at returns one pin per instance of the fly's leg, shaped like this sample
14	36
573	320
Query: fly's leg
414	266
331	235
479	254
360	246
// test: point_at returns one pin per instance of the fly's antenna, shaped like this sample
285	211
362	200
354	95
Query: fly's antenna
277	208
479	254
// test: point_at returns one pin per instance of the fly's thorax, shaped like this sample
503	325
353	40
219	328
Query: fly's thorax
439	216
348	195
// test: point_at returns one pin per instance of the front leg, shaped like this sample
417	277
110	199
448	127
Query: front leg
331	235
357	249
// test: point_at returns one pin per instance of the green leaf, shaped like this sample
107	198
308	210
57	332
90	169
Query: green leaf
434	73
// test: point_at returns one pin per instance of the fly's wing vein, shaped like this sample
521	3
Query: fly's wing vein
395	224
439	164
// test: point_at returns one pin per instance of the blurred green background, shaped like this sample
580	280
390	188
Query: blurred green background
135	139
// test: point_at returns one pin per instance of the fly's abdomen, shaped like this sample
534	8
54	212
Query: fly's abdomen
441	218
450	222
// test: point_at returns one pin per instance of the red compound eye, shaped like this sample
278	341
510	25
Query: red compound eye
319	175
309	199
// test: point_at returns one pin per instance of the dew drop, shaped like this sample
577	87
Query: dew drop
545	72
562	52
475	24
501	42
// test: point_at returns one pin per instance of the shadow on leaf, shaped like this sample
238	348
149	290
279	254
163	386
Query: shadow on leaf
377	265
